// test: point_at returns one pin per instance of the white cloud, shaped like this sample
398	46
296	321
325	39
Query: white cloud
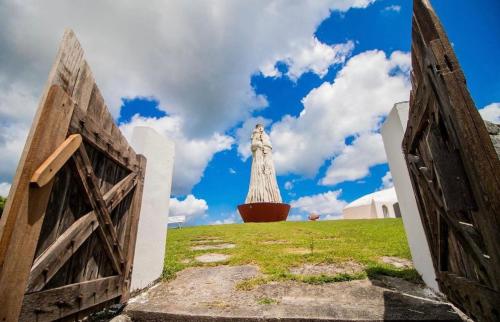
189	207
196	59
4	189
191	155
269	69
323	204
288	185
16	108
12	139
313	56
232	218
232	171
387	181
244	134
362	93
491	113
394	8
355	160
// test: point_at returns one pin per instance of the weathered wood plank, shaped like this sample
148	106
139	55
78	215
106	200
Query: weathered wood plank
68	51
116	194
91	132
59	302
47	264
49	168
53	258
106	230
132	228
481	302
24	213
84	84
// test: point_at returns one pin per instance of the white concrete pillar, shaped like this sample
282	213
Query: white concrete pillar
393	131
152	230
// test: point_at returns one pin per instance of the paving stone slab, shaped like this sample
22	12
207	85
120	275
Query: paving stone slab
209	294
207	241
216	246
212	258
397	261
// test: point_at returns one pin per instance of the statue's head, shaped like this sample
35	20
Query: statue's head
259	127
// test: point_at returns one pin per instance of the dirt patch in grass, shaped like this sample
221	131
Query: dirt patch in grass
212	258
298	251
397	261
349	267
207	241
216	246
274	242
204	238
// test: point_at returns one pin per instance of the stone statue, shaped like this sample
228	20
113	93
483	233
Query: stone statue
263	185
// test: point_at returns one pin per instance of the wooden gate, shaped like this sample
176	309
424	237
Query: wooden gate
455	172
67	236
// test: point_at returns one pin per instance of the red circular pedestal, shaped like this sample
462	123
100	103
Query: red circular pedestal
264	211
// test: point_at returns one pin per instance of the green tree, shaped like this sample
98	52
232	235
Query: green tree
2	203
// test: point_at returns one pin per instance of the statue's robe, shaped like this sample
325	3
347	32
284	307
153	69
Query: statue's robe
263	184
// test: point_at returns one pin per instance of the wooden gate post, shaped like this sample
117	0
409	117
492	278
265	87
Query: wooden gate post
25	208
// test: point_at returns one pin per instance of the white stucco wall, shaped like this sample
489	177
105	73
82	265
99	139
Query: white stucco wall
392	133
361	212
152	230
371	211
370	206
380	212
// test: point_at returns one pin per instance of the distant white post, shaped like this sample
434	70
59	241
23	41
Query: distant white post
152	231
179	220
392	134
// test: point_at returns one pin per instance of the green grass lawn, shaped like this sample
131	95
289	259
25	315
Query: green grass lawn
276	247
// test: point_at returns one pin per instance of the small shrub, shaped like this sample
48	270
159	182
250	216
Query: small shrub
408	274
323	279
267	301
251	283
2	204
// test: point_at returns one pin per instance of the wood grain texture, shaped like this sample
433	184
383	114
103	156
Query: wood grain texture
59	302
130	236
49	168
455	172
106	231
24	213
116	194
54	257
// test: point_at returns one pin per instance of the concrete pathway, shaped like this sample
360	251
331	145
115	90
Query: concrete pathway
209	294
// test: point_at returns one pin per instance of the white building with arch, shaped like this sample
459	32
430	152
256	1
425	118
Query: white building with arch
379	204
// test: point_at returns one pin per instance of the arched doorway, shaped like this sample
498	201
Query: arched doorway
385	211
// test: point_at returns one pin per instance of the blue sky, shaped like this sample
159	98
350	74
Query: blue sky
225	181
321	76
